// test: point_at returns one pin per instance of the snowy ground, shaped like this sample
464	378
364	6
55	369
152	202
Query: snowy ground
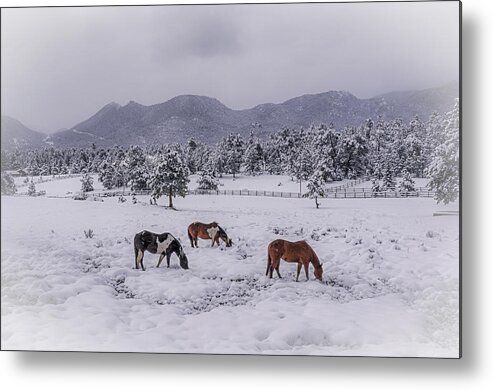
391	267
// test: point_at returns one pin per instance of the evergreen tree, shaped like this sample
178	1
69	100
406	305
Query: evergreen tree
415	160
375	186
6	162
231	150
106	174
352	152
170	177
444	168
434	133
8	185
407	183
325	148
121	173
207	181
137	168
273	159
31	189
303	167
216	163
254	156
285	142
388	179
316	186
140	177
87	183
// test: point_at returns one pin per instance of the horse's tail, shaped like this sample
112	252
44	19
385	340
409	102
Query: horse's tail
137	239
268	263
190	236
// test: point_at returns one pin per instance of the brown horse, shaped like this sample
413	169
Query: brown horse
293	252
207	231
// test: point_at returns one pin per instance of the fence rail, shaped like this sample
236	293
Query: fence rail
48	178
344	191
353	193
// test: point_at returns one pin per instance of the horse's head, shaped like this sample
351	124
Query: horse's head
318	272
223	236
183	258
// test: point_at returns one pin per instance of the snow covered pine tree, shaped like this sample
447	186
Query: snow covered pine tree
170	177
444	168
316	186
87	182
8	185
31	189
207	181
406	185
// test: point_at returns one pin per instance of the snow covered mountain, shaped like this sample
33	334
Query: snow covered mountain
208	120
17	136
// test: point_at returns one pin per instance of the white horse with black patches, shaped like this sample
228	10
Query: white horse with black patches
164	244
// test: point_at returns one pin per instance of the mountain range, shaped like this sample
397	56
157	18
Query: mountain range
208	120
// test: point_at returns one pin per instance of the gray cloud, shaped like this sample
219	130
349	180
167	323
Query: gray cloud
60	65
196	33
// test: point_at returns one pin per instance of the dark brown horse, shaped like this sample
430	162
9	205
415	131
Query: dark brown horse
293	252
207	231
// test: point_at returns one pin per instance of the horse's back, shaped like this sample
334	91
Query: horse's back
194	226
290	250
276	246
199	228
141	239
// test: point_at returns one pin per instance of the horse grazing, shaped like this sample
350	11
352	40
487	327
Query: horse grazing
164	244
293	252
211	231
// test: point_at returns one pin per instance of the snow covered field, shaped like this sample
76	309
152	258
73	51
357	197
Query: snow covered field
392	270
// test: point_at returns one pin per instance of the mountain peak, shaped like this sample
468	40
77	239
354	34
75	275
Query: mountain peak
111	105
133	103
206	119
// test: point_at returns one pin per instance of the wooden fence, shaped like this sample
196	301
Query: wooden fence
336	194
344	191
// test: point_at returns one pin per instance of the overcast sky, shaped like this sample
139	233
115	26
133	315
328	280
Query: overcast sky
61	65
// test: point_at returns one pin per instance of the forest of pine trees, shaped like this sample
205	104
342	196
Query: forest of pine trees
379	149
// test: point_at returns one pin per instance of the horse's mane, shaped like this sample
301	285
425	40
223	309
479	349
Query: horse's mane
314	259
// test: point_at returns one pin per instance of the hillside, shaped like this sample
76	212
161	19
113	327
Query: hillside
208	120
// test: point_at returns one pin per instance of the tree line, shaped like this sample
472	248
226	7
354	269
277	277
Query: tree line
379	149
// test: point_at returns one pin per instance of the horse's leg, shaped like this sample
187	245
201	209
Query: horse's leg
138	258
298	271
275	266
277	270
191	239
160	260
168	256
306	264
142	261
